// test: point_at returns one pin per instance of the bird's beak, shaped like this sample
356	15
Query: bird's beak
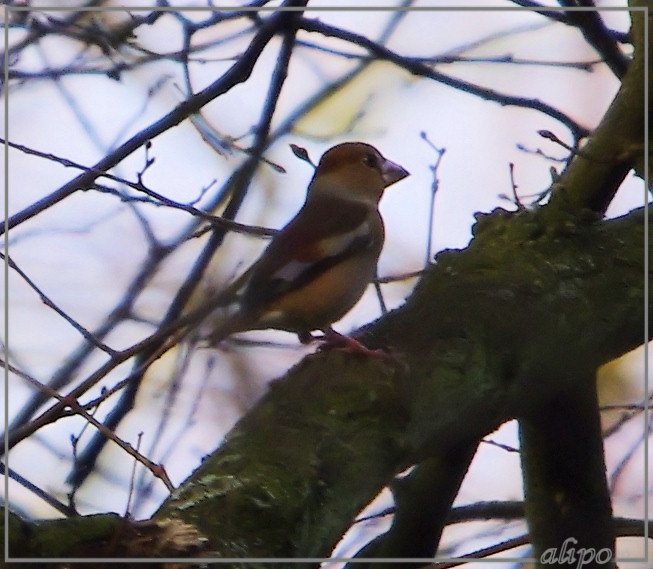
392	172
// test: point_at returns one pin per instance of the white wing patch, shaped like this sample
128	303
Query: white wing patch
330	247
335	245
290	271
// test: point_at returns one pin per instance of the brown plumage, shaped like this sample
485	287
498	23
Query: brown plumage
319	265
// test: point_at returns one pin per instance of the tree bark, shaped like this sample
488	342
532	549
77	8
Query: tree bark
491	333
565	489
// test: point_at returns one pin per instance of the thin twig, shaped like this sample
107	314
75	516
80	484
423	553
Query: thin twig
68	401
139	186
51	304
419	69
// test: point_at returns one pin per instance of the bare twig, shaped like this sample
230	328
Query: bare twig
417	68
50	303
435	184
68	401
157	198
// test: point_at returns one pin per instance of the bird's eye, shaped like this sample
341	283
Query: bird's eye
370	160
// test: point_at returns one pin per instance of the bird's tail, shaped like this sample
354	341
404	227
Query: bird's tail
219	314
220	326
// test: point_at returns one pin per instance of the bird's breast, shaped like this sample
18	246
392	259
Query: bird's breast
332	294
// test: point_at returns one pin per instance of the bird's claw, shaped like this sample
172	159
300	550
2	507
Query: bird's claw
332	340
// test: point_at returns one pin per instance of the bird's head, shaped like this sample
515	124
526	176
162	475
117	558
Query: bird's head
355	171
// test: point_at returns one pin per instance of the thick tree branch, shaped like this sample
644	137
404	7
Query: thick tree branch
423	501
530	307
565	488
525	314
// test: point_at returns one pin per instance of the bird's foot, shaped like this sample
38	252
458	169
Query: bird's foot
335	340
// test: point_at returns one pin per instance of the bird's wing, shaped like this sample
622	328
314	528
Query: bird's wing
307	247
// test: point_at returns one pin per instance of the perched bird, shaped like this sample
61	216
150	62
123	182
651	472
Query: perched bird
319	265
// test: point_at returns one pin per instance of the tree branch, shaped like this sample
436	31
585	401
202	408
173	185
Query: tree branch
416	67
238	73
239	184
617	144
565	487
535	313
597	35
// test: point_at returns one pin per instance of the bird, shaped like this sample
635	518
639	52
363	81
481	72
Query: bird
318	266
